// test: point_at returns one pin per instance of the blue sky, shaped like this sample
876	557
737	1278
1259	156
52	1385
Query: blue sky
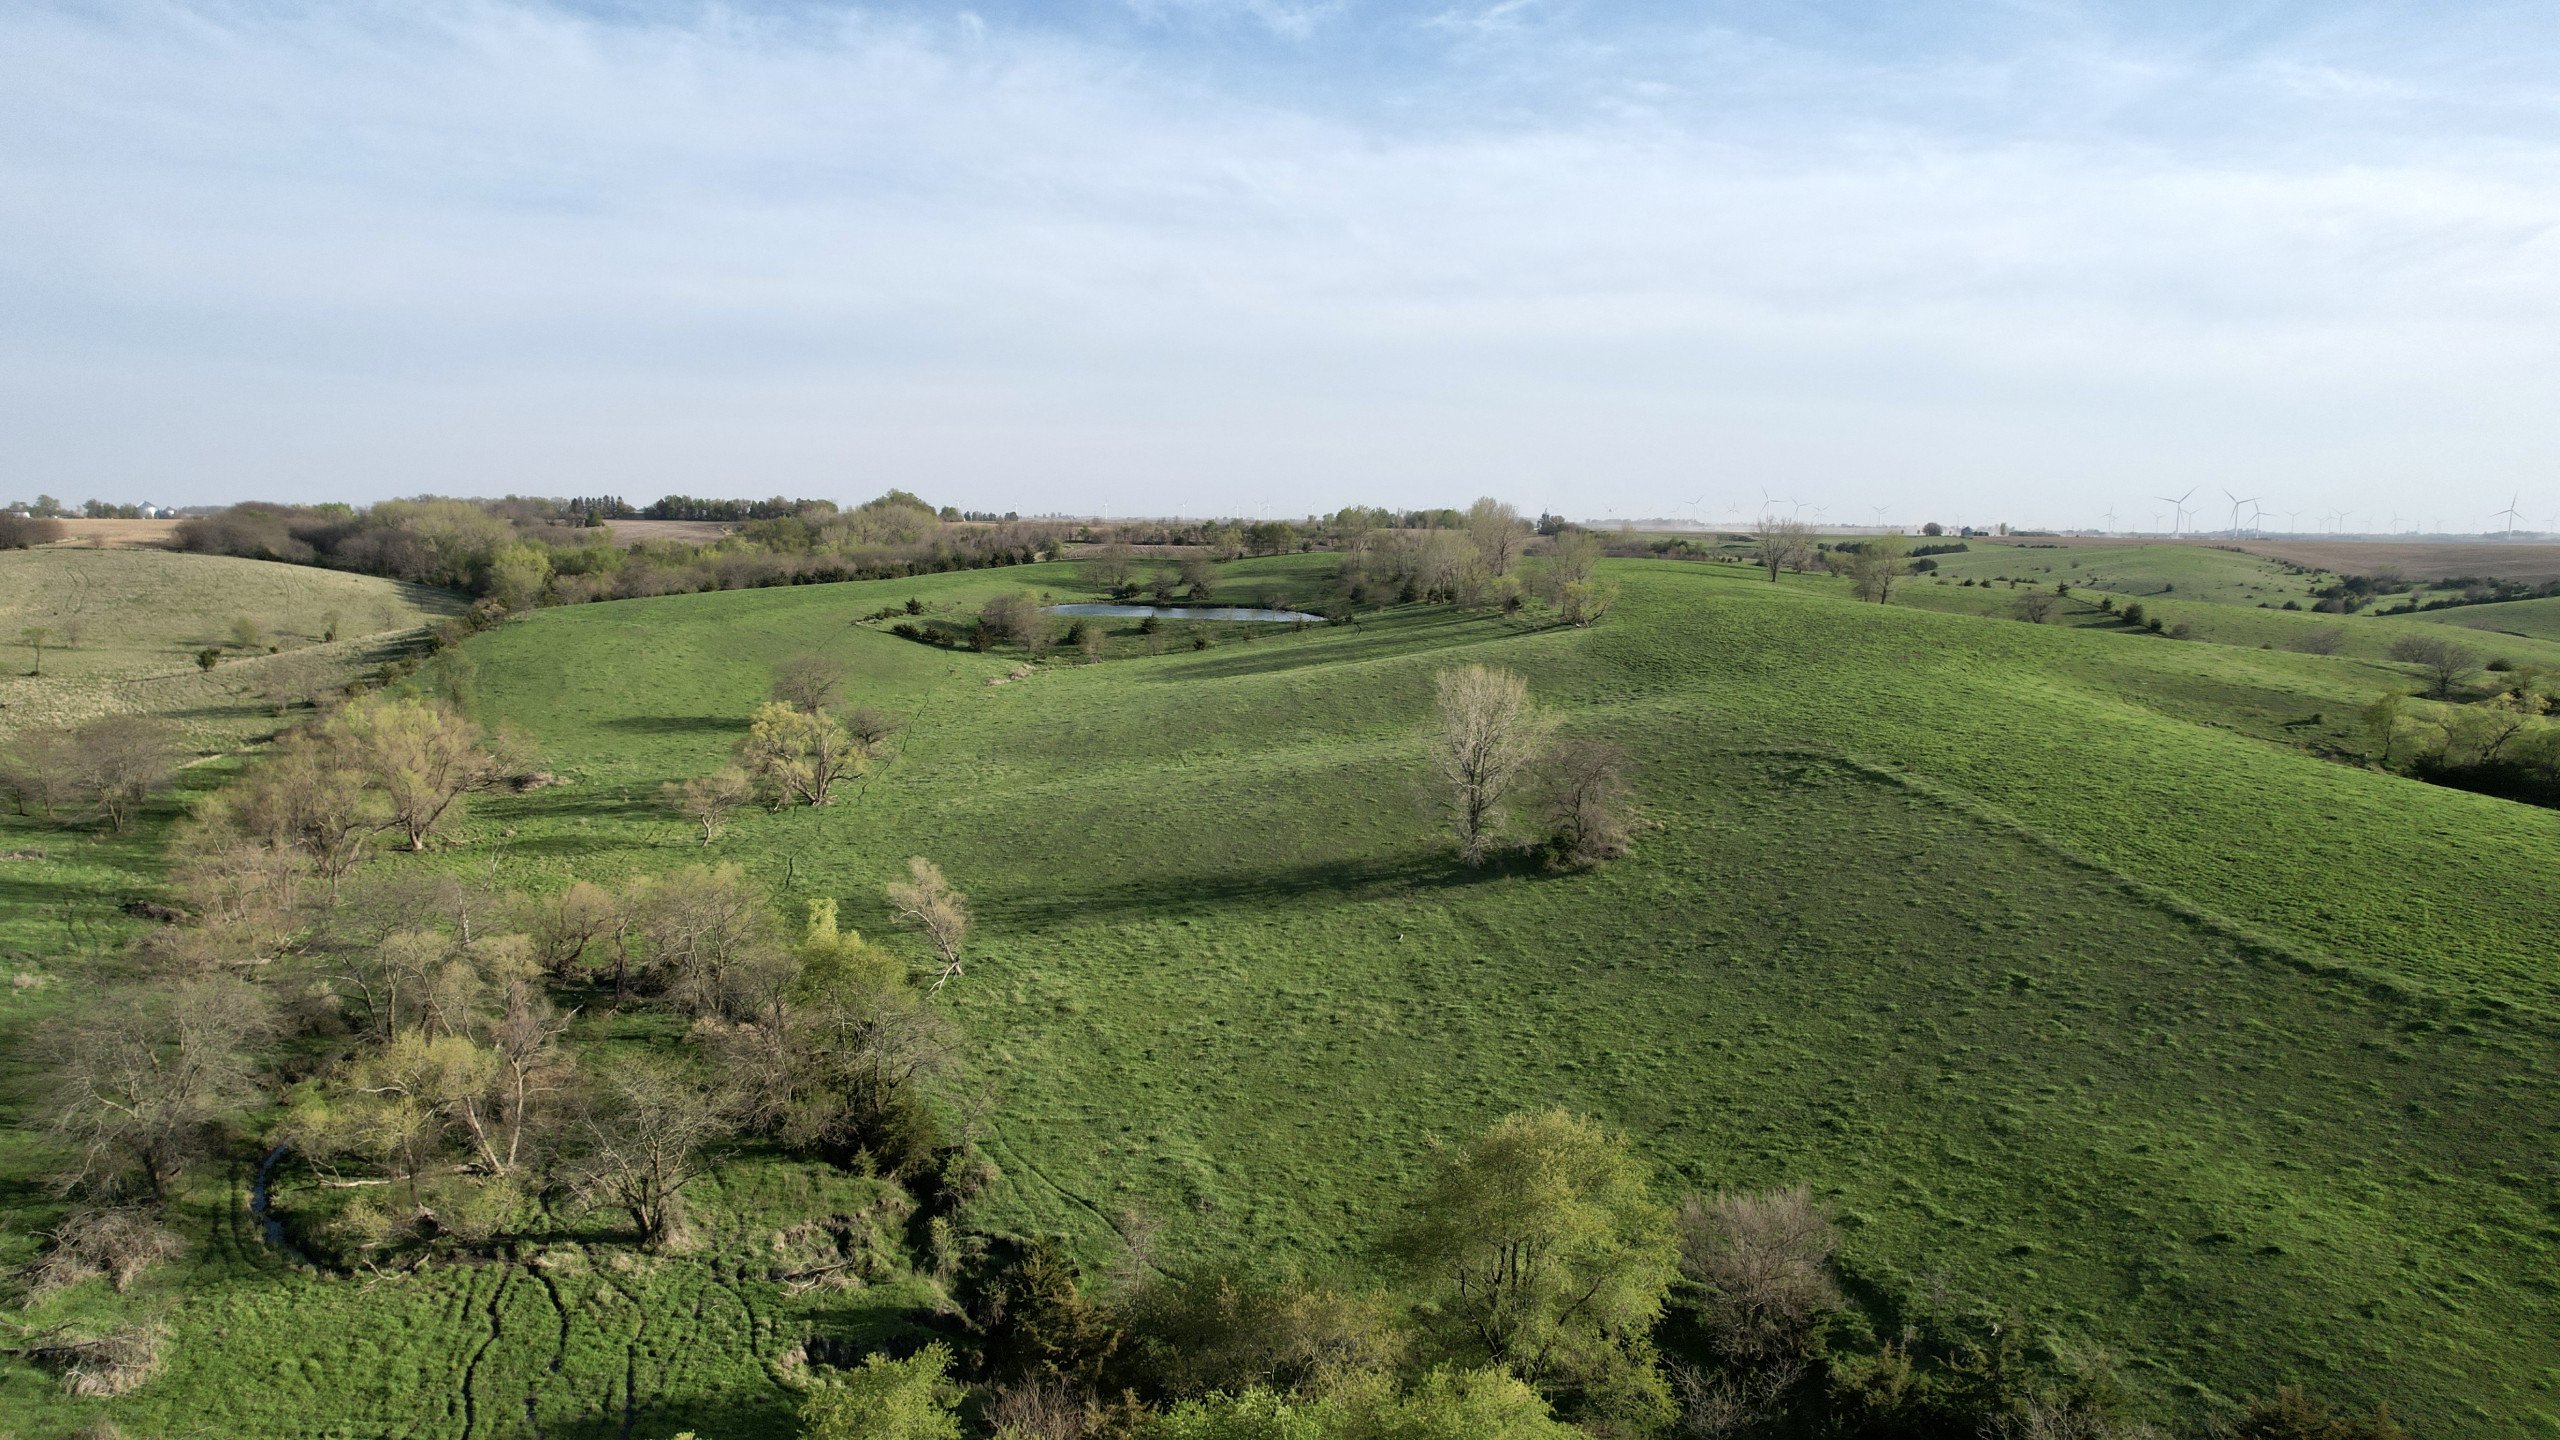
2028	261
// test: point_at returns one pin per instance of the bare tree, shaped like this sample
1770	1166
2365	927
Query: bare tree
1784	544
929	903
567	924
1488	734
1498	532
1585	801
313	794
38	771
1108	568
1763	1265
2445	663
142	1080
118	762
708	934
707	800
643	1135
2035	606
808	682
1199	575
35	638
2321	640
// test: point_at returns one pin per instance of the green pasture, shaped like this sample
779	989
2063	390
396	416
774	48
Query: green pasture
2056	958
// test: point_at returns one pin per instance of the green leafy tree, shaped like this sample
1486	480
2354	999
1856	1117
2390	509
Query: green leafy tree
798	755
1447	1404
1541	1248
886	1399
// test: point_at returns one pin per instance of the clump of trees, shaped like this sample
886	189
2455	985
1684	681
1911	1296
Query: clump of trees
106	770
1491	743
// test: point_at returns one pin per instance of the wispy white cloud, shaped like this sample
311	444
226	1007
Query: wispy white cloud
477	245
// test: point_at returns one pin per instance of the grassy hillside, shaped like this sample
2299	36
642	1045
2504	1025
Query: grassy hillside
2215	1052
2045	954
2535	619
2211	574
127	624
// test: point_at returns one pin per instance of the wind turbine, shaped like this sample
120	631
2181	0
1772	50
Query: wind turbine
2236	503
2395	522
2342	520
2156	518
1879	509
2177	509
2292	522
2511	515
2256	514
2110	518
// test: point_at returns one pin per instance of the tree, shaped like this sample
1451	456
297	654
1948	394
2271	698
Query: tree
707	934
929	903
1542	1249
247	634
1933	529
25	532
1761	1264
808	682
886	1399
1584	802
1498	533
706	800
330	624
1011	618
311	795
118	762
643	1132
1447	1404
422	756
1876	564
142	1080
35	638
797	754
37	768
1199	575
1107	569
2034	606
2445	663
1488	735
1784	544
516	575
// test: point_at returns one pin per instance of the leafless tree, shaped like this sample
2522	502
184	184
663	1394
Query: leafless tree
872	729
118	762
1498	532
35	638
928	902
567	925
708	934
116	1242
642	1137
313	795
1199	575
707	800
808	682
141	1081
2445	663
2035	606
1784	544
1488	735
1585	801
1762	1263
38	771
2321	640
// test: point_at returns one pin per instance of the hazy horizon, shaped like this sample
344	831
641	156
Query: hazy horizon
2029	263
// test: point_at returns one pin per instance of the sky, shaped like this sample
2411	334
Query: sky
1895	260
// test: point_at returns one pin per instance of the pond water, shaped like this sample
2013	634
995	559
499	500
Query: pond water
1187	612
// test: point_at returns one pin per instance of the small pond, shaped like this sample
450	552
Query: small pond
1187	612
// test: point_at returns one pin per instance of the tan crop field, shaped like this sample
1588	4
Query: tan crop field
123	628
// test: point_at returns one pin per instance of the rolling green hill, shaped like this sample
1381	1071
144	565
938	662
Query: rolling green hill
2015	940
2048	955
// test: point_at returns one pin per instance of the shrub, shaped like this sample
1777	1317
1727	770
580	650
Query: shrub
21	532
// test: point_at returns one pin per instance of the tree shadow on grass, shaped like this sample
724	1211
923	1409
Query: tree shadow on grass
1174	893
675	724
